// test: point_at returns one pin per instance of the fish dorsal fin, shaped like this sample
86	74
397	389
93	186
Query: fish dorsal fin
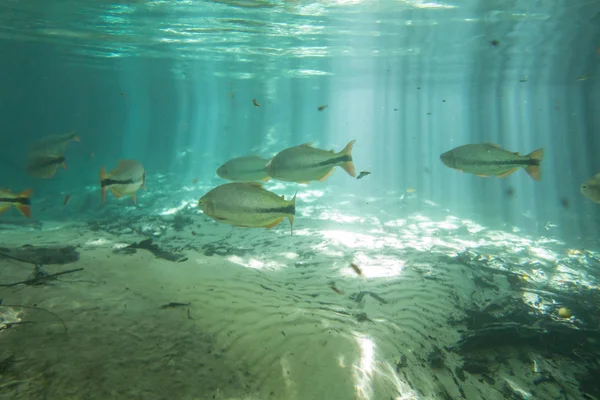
332	151
309	144
516	153
255	184
494	145
282	197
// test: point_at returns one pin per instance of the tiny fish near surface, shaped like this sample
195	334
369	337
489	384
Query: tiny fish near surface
363	174
247	204
491	160
305	163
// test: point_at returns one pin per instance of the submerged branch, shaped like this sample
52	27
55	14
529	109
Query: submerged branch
40	278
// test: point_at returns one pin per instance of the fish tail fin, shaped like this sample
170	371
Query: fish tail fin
348	166
535	170
103	176
292	212
26	194
24	209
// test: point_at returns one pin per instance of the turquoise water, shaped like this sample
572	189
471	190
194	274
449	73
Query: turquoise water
462	276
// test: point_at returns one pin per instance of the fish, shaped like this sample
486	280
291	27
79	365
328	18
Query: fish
335	289
255	102
21	201
247	204
55	144
489	159
356	269
321	108
304	163
244	169
66	200
126	179
591	188
408	193
44	166
363	174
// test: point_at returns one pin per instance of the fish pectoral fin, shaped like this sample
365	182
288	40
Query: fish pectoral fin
482	176
267	179
4	208
133	197
309	144
274	223
324	177
507	173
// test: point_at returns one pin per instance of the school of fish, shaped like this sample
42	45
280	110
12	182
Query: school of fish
244	202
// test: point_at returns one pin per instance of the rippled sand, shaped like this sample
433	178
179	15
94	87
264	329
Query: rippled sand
263	321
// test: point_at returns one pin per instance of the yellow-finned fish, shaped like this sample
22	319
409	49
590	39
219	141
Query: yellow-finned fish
304	163
126	179
55	143
21	201
247	204
244	169
591	188
44	166
490	160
